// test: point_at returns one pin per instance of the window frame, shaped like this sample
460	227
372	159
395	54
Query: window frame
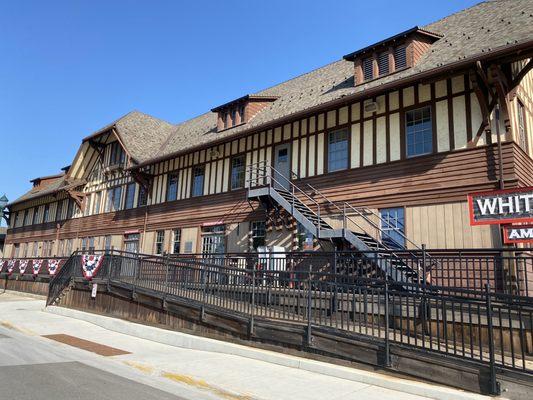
329	143
143	195
129	202
176	232
159	242
236	157
364	67
521	124
253	234
388	228
174	175
111	201
193	176
406	130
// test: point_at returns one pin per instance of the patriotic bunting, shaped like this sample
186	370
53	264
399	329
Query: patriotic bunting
22	266
90	265
10	266
52	266
3	263
36	266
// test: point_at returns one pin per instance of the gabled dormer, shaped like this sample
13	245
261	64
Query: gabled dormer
240	111
391	55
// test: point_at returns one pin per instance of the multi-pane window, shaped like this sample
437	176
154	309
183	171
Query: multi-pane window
70	208
238	172
91	244
419	132
368	68
393	227
241	113
383	64
400	57
130	196
83	244
213	239
35	250
172	187
337	150
159	242
107	243
131	242
143	197
96	202
117	155
68	247
176	241
46	213
258	232
305	238
113	199
522	132
198	181
87	210
16	250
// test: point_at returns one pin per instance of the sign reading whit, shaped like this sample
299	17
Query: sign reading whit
501	206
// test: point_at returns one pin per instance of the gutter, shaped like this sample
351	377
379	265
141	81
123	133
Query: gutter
518	47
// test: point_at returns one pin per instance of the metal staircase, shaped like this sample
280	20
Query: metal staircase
271	189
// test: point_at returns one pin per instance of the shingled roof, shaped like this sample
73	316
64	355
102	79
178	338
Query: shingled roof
481	29
478	31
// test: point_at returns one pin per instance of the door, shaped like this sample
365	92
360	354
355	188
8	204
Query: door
282	166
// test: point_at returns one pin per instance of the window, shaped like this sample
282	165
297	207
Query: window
35	213
83	244
383	63
68	247
393	227
91	244
113	199
368	68
24	250
198	181
143	197
419	132
131	242
172	187
522	133
16	250
241	113
238	172
225	120
87	210
213	239
159	242
117	155
258	232
305	238
400	57
130	196
107	243
26	219
35	249
338	150
70	208
176	241
233	117
46	213
96	202
59	210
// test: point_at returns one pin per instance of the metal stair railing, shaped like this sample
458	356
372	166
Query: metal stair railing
262	172
61	280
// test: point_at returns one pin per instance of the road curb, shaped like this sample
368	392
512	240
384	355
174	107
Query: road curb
187	341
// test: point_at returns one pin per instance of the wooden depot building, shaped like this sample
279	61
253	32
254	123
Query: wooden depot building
388	140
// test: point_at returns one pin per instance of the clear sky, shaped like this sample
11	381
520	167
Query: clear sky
70	67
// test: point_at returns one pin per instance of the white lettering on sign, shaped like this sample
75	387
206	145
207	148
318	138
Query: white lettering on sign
487	206
526	198
520	233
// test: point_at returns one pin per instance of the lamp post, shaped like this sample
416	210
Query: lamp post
3	204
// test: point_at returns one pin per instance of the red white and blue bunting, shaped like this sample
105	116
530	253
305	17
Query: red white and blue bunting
10	266
90	265
36	266
22	266
52	266
3	263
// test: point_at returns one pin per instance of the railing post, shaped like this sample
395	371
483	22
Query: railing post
204	294
252	312
344	219
387	344
424	255
167	267
309	337
494	384
319	222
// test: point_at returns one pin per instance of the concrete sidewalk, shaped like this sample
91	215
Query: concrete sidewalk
219	369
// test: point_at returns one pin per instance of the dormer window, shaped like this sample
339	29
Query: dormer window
116	154
240	111
391	55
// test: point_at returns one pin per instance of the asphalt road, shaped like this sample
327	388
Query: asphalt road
34	369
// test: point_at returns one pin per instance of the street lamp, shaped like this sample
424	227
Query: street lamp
3	204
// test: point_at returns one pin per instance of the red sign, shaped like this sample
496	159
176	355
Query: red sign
518	234
499	207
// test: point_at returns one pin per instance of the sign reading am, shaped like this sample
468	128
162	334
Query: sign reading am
501	206
518	234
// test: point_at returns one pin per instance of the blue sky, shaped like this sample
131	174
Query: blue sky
70	67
